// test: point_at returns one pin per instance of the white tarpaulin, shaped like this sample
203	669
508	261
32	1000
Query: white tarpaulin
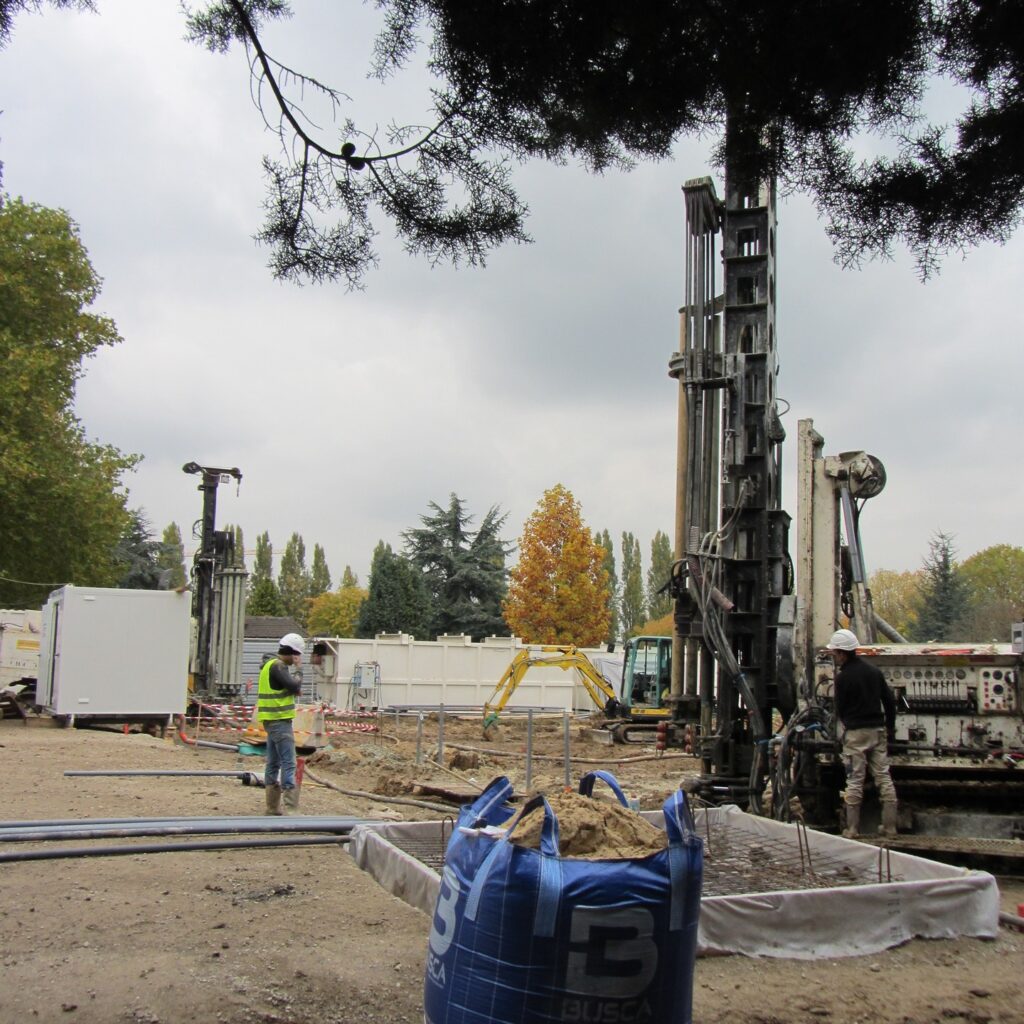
914	898
844	898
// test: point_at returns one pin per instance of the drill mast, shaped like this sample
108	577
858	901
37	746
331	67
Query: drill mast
733	582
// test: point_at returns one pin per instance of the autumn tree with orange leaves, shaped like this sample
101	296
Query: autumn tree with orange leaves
558	592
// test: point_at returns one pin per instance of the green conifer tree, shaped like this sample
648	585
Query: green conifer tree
171	557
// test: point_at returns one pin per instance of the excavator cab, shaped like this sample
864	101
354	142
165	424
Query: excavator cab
646	672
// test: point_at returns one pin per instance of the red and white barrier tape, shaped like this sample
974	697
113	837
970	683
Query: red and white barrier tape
219	725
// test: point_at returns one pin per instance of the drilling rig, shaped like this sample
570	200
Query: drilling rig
733	579
748	670
218	596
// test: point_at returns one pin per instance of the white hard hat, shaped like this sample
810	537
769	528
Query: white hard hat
843	640
294	642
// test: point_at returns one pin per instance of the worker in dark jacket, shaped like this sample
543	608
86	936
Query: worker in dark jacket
275	710
867	710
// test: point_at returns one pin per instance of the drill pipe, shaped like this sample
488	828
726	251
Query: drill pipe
202	844
85	829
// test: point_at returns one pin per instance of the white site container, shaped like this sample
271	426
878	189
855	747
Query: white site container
114	653
19	645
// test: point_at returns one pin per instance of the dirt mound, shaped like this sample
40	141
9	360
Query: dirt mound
391	785
327	758
591	829
464	759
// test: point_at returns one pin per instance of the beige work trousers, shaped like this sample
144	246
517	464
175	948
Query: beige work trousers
864	749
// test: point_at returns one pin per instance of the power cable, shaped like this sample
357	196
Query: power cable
30	583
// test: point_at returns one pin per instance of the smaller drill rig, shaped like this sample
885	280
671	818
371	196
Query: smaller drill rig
218	596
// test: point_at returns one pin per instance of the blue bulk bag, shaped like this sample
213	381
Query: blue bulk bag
522	936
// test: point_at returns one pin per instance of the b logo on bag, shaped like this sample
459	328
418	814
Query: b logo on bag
442	926
612	959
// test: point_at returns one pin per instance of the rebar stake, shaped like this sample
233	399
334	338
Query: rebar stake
529	749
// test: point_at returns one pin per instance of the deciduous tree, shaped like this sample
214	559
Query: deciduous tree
265	598
463	570
995	585
896	597
605	540
293	579
263	563
659	603
62	500
336	613
319	574
632	606
558	591
349	578
661	626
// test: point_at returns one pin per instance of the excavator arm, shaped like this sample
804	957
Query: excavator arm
564	658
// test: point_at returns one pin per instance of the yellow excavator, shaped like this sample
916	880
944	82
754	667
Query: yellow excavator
622	718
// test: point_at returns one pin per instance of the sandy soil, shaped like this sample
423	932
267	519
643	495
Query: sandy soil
302	935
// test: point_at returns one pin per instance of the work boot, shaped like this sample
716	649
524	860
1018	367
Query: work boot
888	826
852	821
274	800
291	799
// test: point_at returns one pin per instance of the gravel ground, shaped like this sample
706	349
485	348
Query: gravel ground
302	935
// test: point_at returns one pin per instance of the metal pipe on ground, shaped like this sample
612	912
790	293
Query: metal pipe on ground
248	778
196	742
8	857
288	823
180	827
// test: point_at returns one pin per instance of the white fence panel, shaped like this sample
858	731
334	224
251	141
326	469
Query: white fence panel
450	671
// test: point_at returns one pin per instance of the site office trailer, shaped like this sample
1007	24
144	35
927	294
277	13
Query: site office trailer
19	645
114	653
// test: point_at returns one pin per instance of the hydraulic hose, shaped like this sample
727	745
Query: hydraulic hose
380	797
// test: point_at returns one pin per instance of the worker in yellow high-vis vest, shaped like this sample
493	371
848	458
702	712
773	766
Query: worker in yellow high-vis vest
275	710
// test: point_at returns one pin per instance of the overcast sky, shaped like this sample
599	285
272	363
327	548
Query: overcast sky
349	412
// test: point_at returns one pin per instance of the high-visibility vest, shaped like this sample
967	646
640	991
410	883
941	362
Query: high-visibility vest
272	704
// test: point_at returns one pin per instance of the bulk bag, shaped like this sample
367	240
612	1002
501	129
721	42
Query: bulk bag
522	936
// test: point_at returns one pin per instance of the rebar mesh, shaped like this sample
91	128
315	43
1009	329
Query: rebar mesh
739	860
736	860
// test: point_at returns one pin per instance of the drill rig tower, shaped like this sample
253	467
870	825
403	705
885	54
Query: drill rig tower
733	581
218	596
745	647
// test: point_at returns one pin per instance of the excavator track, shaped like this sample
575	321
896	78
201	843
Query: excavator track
632	732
